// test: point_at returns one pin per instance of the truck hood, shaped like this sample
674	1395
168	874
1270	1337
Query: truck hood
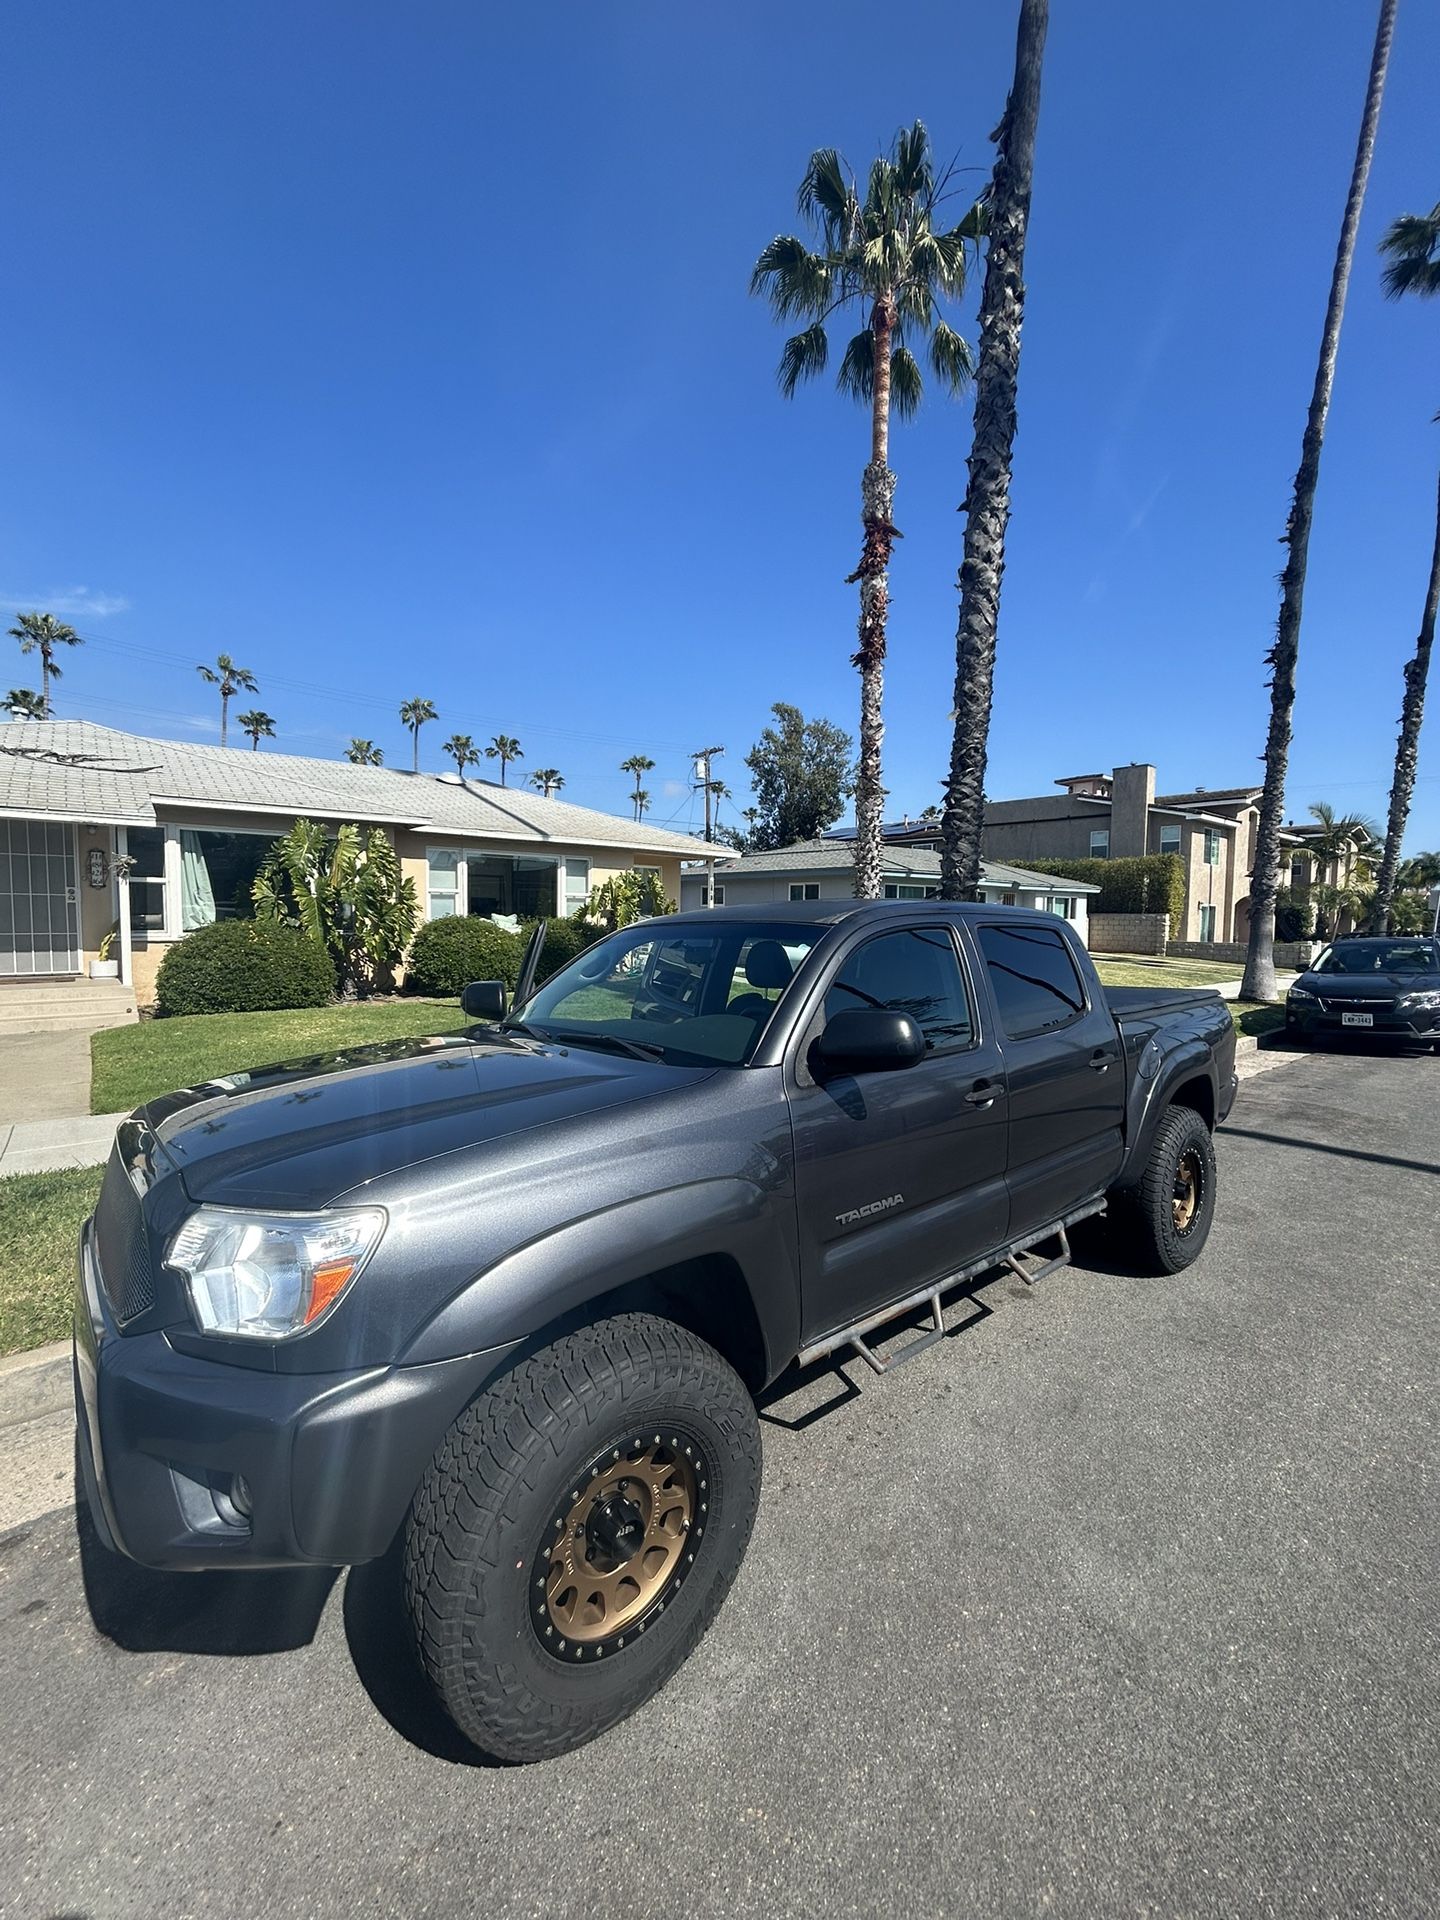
300	1134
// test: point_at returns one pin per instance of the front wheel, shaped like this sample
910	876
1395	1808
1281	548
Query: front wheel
1169	1212
577	1531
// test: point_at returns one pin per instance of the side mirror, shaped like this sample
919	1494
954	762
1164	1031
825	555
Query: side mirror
867	1040
484	1000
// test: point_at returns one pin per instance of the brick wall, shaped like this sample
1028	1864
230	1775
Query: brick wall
1129	933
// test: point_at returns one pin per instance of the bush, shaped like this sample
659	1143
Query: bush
563	942
243	966
1294	915
1141	883
448	954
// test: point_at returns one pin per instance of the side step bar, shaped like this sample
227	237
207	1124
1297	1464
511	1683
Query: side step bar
1009	1257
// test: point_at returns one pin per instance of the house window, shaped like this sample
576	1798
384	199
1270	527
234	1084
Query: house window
1212	847
1063	904
1170	838
1100	843
443	873
1207	923
705	896
905	890
577	885
217	875
146	847
512	884
1299	870
804	889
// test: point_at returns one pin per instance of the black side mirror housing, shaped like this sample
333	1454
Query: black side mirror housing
484	1000
867	1040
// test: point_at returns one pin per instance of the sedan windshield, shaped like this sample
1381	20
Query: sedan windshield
1381	956
692	995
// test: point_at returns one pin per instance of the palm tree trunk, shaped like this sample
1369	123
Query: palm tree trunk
45	681
415	748
987	498
877	507
1407	750
1259	979
224	714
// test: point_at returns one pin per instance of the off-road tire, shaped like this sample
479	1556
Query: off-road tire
1146	1212
485	1507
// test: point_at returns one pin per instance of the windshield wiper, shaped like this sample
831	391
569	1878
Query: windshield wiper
587	1037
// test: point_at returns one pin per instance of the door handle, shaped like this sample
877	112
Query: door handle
1100	1059
984	1093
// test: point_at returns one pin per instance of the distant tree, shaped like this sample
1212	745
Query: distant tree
888	255
638	766
504	748
365	753
801	773
42	633
642	803
231	680
547	780
256	726
1421	870
22	704
415	714
462	750
1412	244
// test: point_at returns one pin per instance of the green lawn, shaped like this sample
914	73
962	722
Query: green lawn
40	1219
130	1065
1133	970
1251	1018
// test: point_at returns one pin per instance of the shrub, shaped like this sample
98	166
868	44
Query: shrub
1141	883
243	966
564	940
348	895
1294	915
448	954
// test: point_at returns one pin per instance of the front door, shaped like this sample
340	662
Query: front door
39	918
900	1176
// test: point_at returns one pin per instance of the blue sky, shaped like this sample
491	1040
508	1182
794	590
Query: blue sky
407	350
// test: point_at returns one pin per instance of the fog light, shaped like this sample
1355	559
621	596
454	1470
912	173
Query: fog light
240	1495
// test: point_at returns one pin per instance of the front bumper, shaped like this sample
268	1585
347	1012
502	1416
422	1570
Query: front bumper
1388	1023
327	1463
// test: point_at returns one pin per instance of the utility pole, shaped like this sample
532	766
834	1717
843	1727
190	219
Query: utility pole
702	779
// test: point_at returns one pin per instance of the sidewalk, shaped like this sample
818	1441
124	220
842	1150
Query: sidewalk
38	1146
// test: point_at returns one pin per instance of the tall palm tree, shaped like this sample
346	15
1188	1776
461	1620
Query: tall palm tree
22	704
642	803
231	680
547	780
1412	244
1258	982
256	725
1421	870
42	633
415	714
637	766
987	496
365	753
1347	839
504	748
889	256
461	749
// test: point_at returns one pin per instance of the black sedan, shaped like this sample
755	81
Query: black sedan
1388	989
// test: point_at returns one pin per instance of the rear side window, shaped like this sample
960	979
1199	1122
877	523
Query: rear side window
1033	979
915	972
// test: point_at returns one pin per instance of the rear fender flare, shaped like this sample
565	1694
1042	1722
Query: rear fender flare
1150	1100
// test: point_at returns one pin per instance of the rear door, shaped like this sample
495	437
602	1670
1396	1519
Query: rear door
900	1177
1066	1074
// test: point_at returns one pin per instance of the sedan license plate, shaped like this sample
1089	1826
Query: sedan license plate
1357	1019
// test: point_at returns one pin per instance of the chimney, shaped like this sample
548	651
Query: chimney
1132	795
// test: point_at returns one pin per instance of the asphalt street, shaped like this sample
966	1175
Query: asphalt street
1119	1602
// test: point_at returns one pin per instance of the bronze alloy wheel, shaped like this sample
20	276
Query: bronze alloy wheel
621	1545
1189	1186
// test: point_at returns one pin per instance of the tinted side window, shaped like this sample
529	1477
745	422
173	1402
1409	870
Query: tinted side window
1033	979
914	972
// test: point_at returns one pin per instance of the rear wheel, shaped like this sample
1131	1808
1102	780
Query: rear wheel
577	1532
1169	1212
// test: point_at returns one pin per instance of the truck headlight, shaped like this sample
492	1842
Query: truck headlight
1418	1002
268	1275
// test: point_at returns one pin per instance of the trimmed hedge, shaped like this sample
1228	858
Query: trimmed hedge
1141	883
448	954
565	940
243	966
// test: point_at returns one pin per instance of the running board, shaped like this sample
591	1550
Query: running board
1009	1257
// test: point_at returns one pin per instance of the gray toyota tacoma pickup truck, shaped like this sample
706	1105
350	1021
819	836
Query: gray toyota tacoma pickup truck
503	1300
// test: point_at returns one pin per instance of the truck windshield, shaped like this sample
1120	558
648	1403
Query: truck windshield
689	995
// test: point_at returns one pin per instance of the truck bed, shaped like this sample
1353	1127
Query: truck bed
1136	1003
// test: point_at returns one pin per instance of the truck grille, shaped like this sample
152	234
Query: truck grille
122	1245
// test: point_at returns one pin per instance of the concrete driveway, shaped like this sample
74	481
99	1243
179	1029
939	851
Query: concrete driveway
1122	1601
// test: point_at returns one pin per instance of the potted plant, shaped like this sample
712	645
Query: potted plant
102	967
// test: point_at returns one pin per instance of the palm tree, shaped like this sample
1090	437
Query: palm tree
1258	982
22	704
504	748
1420	871
888	255
365	753
987	496
256	725
638	766
461	749
1346	839
42	633
547	780
1413	246
415	714
642	803
230	679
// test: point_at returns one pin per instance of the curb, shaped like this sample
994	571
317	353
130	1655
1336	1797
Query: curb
35	1384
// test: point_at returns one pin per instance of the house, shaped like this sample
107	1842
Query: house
195	822
824	870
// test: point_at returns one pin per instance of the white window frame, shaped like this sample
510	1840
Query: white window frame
462	882
1207	926
1212	846
1171	829
563	891
804	889
1100	843
705	895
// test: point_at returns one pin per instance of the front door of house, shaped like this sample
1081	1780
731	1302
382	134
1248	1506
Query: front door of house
39	917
